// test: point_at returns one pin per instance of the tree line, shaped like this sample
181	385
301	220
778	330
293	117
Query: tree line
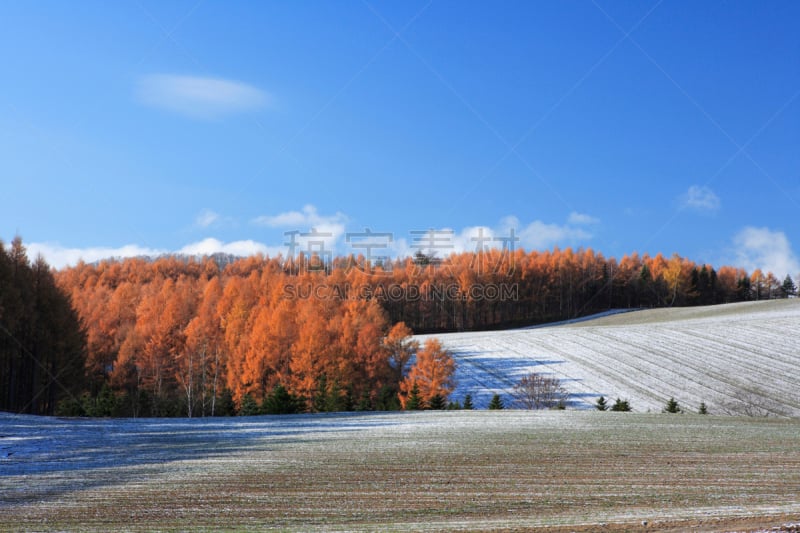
194	337
42	343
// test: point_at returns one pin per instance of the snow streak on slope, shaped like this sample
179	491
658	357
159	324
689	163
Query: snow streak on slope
738	358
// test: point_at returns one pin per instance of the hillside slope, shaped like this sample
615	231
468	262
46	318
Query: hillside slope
739	359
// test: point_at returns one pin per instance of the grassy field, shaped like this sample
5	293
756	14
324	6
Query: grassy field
480	471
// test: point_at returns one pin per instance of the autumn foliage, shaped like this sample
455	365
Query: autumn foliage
170	329
432	374
184	336
180	332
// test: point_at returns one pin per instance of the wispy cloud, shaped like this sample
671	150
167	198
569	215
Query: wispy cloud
198	97
206	218
328	229
582	219
701	199
307	217
539	235
767	250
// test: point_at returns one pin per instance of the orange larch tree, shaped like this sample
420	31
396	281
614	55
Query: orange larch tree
432	373
203	362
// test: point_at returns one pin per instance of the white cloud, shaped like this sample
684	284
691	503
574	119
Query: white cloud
700	199
308	217
767	250
206	218
582	219
198	97
540	235
290	218
473	238
398	248
59	256
240	248
442	242
536	235
330	228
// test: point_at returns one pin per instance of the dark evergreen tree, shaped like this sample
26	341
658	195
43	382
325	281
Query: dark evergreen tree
694	287
422	259
42	343
320	402
605	283
348	400
788	288
105	404
454	406
703	409
437	402
224	404
280	402
365	402
672	406
337	399
496	403
717	293
704	289
601	404
71	407
645	287
621	405
468	402
414	401
249	406
743	289
387	399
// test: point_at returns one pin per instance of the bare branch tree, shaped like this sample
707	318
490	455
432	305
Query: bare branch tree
539	391
754	403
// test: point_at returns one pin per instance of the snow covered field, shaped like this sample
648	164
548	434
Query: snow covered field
422	471
738	358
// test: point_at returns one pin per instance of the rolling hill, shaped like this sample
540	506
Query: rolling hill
739	358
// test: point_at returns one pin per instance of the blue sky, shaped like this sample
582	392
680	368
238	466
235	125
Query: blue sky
199	126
